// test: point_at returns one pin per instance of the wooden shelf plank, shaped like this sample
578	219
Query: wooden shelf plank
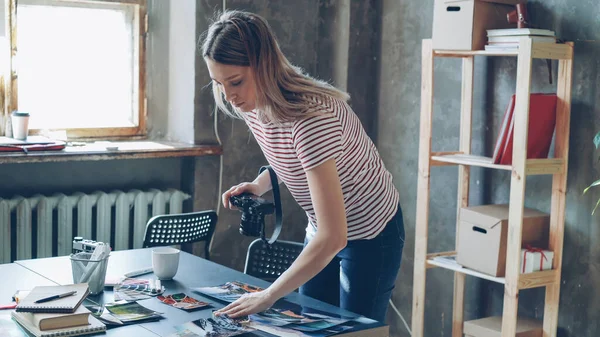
554	51
526	281
452	265
467	53
467	159
534	166
98	151
538	279
434	255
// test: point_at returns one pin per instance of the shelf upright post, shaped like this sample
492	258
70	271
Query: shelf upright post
422	216
466	117
517	187
559	187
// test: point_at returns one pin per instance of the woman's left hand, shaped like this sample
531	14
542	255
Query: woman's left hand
248	304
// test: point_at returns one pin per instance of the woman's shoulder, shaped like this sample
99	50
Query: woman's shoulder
322	104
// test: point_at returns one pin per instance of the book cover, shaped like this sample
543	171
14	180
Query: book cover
520	32
94	326
542	121
45	321
501	141
66	304
514	39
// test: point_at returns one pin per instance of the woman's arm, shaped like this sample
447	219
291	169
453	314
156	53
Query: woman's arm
263	180
330	238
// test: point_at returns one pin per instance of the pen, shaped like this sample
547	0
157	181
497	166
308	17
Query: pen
46	299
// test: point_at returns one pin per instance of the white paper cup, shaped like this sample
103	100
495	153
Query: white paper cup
165	261
20	125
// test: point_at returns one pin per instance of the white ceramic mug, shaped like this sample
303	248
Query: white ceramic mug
165	261
20	125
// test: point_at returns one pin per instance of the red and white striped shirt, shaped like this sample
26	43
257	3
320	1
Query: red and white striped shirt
292	148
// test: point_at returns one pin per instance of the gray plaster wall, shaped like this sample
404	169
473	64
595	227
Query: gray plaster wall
380	67
88	176
405	23
242	158
372	48
337	41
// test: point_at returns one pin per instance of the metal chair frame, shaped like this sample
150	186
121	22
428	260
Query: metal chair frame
183	228
268	263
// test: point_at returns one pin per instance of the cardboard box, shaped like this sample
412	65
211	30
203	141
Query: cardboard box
482	236
492	327
463	24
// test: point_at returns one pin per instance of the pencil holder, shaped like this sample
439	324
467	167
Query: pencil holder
87	270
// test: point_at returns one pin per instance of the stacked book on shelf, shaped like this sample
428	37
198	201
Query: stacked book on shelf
542	123
508	39
56	311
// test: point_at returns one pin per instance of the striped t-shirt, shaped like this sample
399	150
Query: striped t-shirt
292	148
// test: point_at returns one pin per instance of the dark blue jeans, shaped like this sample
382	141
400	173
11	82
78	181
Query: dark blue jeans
362	276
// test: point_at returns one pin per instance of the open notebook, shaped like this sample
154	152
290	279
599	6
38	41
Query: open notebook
66	304
94	327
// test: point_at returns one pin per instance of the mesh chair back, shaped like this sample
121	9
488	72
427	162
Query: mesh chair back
175	229
268	263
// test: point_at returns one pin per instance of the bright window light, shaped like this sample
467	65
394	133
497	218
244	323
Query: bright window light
77	64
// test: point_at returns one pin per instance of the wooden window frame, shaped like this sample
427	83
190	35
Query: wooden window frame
10	92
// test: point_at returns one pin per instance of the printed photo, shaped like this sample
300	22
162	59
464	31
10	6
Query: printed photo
182	301
132	311
228	292
215	326
131	289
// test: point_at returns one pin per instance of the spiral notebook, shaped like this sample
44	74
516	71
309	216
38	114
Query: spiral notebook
66	304
94	327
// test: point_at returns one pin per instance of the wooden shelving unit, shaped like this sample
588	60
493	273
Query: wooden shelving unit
521	167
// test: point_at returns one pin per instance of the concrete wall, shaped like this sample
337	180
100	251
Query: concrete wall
371	48
405	23
87	176
242	158
317	36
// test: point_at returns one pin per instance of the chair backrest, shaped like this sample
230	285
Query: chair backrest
268	263
175	229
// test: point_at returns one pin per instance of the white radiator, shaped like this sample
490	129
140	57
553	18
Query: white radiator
46	225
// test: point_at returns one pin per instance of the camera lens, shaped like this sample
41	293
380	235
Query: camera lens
251	224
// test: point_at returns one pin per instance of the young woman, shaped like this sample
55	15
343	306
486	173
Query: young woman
318	148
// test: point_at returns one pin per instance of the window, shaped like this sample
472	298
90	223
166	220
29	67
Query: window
79	66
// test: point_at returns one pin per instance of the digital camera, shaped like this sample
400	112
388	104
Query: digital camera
83	245
253	210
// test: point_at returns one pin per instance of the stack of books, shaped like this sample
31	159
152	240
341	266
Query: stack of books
508	39
56	311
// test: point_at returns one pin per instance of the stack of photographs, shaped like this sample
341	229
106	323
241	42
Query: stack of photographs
284	318
221	326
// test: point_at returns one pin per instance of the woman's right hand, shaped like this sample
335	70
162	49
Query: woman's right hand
252	188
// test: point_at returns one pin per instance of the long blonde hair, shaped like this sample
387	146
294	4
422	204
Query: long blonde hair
284	92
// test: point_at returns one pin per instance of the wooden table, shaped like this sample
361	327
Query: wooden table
193	272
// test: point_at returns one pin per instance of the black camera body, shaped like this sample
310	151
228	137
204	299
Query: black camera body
254	209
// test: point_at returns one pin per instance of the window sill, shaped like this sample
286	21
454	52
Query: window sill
98	151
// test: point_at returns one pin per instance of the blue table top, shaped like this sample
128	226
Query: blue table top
192	272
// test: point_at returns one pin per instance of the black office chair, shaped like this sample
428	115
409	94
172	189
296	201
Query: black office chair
184	228
268	263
